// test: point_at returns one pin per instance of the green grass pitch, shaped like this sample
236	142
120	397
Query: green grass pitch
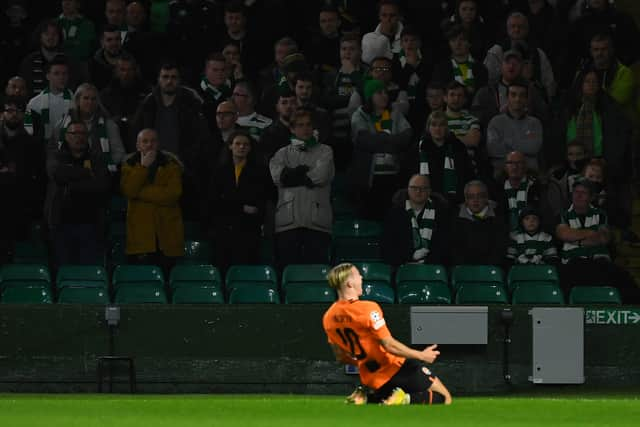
18	410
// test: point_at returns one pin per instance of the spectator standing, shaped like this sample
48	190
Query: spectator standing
303	172
151	181
381	140
238	192
76	199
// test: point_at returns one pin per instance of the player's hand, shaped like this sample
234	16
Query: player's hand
430	353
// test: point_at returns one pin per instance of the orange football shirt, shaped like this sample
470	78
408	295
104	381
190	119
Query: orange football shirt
357	327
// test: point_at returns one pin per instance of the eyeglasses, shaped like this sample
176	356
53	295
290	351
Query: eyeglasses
381	68
419	189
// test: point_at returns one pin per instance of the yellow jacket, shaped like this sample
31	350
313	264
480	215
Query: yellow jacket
153	211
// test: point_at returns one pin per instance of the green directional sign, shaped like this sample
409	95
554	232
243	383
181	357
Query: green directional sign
612	317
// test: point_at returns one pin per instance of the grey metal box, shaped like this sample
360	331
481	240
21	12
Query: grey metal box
449	325
558	345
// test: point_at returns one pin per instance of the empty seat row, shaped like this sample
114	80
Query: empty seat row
414	284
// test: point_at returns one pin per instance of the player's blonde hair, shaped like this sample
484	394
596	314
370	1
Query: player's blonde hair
339	274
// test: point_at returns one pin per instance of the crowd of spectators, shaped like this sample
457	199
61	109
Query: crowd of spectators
479	131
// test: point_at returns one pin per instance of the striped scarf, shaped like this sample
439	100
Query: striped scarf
303	144
414	79
449	177
531	249
422	229
516	200
593	220
223	91
98	129
39	107
254	124
383	123
402	57
463	71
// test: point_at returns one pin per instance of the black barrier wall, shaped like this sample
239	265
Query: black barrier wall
265	348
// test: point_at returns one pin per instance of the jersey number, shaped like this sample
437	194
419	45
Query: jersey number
350	338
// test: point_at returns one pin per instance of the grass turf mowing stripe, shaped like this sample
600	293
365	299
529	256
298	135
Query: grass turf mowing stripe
18	410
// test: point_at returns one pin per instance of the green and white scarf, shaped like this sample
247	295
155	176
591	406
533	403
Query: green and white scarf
449	177
531	249
402	57
467	79
223	91
39	107
594	219
516	200
254	124
101	131
303	144
422	229
414	79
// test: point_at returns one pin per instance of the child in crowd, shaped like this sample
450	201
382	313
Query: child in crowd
529	244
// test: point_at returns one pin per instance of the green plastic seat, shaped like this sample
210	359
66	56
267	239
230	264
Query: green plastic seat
307	274
309	293
421	273
197	295
481	293
140	294
30	252
476	274
595	295
424	293
138	275
22	275
254	295
83	295
378	292
197	252
195	276
376	282
522	274
250	275
374	271
26	295
356	240
542	293
89	276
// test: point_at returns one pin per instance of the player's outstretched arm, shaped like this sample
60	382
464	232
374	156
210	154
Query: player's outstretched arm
394	346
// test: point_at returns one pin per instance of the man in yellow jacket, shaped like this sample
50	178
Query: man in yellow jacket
152	183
